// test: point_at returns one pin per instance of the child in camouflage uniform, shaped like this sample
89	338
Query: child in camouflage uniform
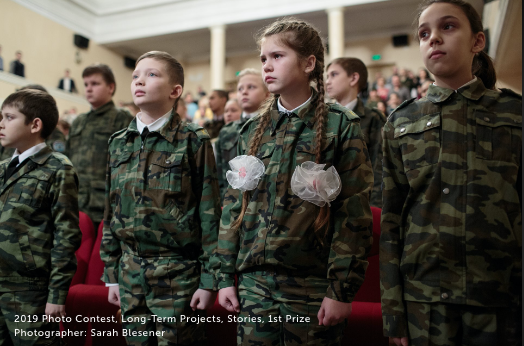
346	78
451	242
251	92
162	213
299	265
38	222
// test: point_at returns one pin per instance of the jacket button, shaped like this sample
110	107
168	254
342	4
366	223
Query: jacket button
402	130
168	162
446	191
486	119
429	123
444	296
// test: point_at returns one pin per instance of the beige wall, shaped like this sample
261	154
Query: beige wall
48	49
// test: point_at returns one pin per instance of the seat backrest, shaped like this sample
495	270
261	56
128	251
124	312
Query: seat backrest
96	266
370	289
83	254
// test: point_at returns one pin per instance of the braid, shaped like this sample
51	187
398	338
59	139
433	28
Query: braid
253	149
322	220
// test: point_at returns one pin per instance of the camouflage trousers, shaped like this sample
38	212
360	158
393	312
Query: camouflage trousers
282	310
154	296
438	324
21	322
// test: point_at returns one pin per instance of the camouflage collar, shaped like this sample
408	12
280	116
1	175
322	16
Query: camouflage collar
167	131
41	156
306	113
102	110
473	91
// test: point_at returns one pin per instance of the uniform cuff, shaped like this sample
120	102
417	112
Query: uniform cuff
341	291
395	326
225	280
57	297
207	281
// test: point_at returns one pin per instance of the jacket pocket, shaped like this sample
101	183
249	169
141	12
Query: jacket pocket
498	138
35	187
165	172
25	251
306	150
420	141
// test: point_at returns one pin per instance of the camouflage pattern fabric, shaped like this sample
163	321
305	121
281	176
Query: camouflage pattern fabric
162	204
56	141
213	127
451	221
87	148
282	310
161	287
226	150
21	321
371	122
435	324
277	229
39	226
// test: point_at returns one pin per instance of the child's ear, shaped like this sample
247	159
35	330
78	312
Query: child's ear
176	92
37	125
355	77
310	64
480	42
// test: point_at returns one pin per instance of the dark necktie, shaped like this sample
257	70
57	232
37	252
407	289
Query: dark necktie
11	168
144	133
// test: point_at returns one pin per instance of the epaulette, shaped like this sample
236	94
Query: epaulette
511	93
402	105
63	159
336	108
198	130
116	134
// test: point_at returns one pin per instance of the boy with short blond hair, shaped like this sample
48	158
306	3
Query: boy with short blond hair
38	222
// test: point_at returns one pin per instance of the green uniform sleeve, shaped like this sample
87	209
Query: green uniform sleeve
209	210
391	244
67	235
352	217
110	251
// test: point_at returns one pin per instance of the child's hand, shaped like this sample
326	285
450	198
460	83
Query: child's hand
227	298
333	312
114	295
203	299
400	341
55	310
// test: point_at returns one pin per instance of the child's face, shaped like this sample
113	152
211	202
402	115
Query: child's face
251	92
98	92
337	82
447	43
216	103
232	112
282	71
151	86
14	132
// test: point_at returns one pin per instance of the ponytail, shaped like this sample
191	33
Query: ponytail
483	68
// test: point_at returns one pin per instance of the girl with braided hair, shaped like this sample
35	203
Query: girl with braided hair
296	224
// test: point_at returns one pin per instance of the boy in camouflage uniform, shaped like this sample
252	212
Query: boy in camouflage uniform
451	241
162	213
251	92
87	142
38	222
217	103
346	78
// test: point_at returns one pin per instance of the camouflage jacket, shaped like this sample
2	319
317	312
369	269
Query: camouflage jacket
371	123
277	229
213	127
451	222
226	150
39	225
162	197
56	141
87	149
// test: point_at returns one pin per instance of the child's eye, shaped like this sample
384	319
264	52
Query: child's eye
278	56
135	76
152	74
423	34
263	60
448	26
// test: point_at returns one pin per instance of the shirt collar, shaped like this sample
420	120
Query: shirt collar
351	106
246	115
155	125
306	112
283	109
29	152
